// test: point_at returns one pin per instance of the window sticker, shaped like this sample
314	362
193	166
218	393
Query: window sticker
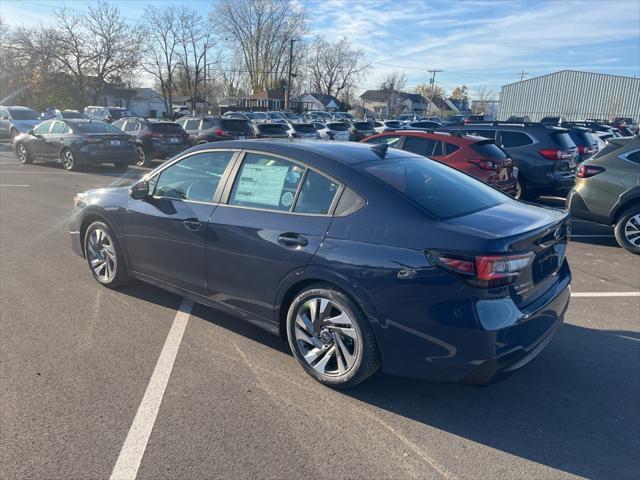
261	184
287	199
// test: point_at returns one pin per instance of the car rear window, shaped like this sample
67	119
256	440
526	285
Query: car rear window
304	128
235	125
363	125
582	137
167	127
393	124
337	126
117	113
440	190
95	127
563	140
24	114
271	129
489	149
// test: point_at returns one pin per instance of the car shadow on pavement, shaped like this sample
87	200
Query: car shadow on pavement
575	408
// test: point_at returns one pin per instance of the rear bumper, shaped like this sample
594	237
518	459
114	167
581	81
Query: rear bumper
577	208
92	157
474	355
167	151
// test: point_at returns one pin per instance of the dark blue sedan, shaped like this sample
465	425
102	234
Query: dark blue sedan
362	257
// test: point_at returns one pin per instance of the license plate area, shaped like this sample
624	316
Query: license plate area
545	264
115	143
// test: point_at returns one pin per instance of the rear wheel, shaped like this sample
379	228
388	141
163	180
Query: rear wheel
104	256
23	154
522	191
331	338
627	230
69	161
143	159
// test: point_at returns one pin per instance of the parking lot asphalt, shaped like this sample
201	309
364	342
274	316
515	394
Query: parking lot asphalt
76	360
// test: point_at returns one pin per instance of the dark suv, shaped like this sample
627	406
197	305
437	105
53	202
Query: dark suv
546	156
213	129
156	138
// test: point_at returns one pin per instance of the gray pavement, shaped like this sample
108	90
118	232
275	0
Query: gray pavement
76	359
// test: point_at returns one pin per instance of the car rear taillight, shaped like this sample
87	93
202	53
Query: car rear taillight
554	154
486	163
484	271
219	132
586	171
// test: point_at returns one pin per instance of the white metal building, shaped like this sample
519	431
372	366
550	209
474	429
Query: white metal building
572	94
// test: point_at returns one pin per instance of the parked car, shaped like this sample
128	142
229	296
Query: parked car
360	256
180	111
422	125
155	138
343	116
75	143
72	115
361	130
551	120
203	129
627	122
257	117
479	157
237	115
407	117
107	114
332	131
271	130
386	125
16	120
546	156
585	142
607	191
321	115
519	119
302	130
273	115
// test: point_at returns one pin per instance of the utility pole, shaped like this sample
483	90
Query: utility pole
433	85
522	74
287	97
205	109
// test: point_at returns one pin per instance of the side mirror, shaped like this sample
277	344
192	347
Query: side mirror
140	190
32	132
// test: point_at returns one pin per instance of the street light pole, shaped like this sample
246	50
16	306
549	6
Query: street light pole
433	86
287	97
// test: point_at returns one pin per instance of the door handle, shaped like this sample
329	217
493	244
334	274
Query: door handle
292	240
192	224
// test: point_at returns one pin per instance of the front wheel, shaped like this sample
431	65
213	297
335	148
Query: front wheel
627	230
331	338
23	154
104	256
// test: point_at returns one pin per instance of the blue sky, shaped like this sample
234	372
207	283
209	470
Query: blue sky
476	42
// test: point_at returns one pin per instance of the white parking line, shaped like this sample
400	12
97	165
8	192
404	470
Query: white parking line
136	442
592	236
605	294
6	185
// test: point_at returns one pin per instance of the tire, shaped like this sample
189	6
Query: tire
121	166
104	256
143	159
627	230
69	160
522	191
339	348
23	154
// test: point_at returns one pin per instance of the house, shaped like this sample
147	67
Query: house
185	100
442	106
316	101
145	102
391	103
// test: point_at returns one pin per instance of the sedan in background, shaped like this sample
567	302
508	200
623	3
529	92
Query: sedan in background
16	120
74	143
607	191
214	129
302	130
156	138
363	257
361	130
422	125
271	130
387	125
476	156
332	131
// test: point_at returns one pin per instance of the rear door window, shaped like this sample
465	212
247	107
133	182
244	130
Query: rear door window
450	148
192	125
316	194
266	182
482	133
511	139
59	128
131	126
489	149
421	146
391	140
43	128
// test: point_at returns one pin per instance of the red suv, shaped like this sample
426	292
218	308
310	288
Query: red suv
477	156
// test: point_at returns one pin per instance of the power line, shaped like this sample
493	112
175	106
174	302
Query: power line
522	74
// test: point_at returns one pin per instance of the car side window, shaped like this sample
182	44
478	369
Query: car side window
194	178
514	139
482	133
59	127
119	124
266	182
316	194
43	128
131	126
450	148
634	157
418	145
192	125
392	141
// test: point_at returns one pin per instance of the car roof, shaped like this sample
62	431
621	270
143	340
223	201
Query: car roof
445	136
349	153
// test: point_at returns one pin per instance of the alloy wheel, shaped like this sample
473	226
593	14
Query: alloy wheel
101	255
518	194
326	337
22	153
142	157
632	230
67	160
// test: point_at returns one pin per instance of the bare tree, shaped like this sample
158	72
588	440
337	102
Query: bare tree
161	49
233	76
483	95
391	89
335	66
262	30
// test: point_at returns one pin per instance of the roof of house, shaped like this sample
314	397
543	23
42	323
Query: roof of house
273	94
380	96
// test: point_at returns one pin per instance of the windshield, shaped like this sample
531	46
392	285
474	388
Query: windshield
440	190
23	114
95	127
